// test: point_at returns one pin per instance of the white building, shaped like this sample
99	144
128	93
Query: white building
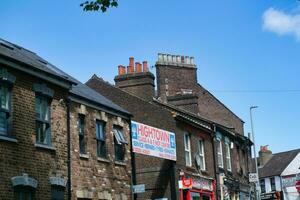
278	174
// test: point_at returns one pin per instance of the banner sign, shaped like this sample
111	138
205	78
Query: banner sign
204	184
152	141
288	181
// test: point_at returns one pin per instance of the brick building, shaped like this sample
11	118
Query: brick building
193	136
177	85
227	150
59	139
33	126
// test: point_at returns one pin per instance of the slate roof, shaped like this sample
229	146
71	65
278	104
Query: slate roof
79	89
278	163
27	57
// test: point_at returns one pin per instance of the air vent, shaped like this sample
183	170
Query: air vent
6	45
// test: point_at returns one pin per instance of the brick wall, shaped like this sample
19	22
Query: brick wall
22	156
93	177
156	173
171	79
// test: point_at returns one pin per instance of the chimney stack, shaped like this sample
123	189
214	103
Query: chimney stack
138	81
181	73
264	155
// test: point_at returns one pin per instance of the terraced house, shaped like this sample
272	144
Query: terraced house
59	139
33	138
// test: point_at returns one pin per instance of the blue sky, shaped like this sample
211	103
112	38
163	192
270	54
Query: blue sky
237	45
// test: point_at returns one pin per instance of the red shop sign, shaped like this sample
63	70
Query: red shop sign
298	186
187	182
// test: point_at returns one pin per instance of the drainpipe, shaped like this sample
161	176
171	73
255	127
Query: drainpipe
214	159
133	166
69	149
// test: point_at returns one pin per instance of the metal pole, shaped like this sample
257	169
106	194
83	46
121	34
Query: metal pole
254	150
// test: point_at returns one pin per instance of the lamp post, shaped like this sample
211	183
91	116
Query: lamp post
254	151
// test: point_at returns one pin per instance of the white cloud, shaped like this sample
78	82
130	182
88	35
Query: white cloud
282	23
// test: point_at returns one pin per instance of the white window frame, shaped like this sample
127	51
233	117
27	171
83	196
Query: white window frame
220	153
202	155
187	149
228	157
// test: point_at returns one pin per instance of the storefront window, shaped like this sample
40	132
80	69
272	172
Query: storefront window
195	196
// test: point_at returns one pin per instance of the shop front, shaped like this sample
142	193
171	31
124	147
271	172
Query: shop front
274	195
196	188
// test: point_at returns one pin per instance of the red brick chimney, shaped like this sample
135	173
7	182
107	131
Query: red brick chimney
139	82
264	155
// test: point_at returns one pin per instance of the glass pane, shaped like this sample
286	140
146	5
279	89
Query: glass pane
5	97
200	147
187	158
3	123
202	163
57	193
38	107
101	150
81	124
195	196
187	142
119	151
117	137
43	133
100	135
81	144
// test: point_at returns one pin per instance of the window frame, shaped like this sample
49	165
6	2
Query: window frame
101	142
220	153
228	157
56	190
41	121
273	186
23	189
119	146
81	133
202	155
7	111
187	149
262	184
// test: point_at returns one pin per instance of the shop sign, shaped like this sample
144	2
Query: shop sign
138	188
297	185
253	177
187	182
289	181
148	140
202	183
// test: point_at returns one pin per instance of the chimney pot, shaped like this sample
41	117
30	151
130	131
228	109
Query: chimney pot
169	58
173	58
160	57
131	65
187	60
165	57
145	66
128	70
121	70
182	59
192	60
178	59
138	67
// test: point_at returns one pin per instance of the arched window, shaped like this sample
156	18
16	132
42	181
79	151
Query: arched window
24	187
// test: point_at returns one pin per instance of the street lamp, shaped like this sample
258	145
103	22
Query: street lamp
255	157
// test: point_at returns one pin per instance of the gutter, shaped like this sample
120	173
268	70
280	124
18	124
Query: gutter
214	159
133	166
69	149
